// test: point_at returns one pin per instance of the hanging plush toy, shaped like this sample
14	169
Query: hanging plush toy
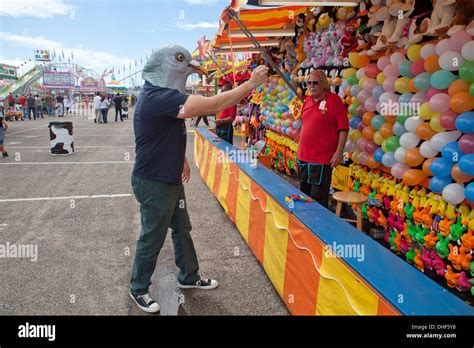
299	27
389	24
348	41
441	17
463	16
402	11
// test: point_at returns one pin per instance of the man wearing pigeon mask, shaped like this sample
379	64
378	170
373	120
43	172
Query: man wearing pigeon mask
161	167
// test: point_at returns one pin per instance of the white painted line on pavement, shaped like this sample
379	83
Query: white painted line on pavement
104	162
25	130
64	198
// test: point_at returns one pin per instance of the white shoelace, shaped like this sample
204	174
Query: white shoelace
147	298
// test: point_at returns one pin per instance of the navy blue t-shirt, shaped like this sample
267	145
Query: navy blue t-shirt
160	137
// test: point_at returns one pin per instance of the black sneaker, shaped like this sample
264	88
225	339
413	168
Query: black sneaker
5	154
203	283
145	302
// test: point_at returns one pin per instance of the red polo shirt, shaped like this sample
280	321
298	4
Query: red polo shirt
320	129
230	112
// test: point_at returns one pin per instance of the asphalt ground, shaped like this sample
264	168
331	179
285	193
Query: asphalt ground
79	213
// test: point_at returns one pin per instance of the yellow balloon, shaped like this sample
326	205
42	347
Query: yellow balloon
435	124
348	73
380	78
378	138
354	100
362	80
413	52
355	156
355	135
281	82
401	85
426	113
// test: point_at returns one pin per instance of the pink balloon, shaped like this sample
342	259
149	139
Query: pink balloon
432	91
370	147
418	67
440	102
442	46
389	84
369	84
361	110
371	70
361	143
383	62
419	98
371	104
360	127
458	39
363	95
363	157
466	143
350	146
391	70
447	119
398	169
397	58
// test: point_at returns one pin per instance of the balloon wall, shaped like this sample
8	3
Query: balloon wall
411	140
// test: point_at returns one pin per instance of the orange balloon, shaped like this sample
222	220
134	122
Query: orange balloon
372	163
461	102
426	166
431	64
411	86
424	131
390	119
386	130
367	118
413	157
459	176
368	133
413	177
458	86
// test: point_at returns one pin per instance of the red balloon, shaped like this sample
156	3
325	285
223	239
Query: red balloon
432	91
418	67
447	119
371	71
371	147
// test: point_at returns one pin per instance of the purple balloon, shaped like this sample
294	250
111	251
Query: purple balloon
440	102
371	104
391	70
370	147
369	85
466	143
419	98
361	110
363	95
361	143
398	169
389	84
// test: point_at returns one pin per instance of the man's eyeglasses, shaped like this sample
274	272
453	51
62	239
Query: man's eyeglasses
309	83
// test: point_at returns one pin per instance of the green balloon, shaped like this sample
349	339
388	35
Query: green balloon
466	72
352	80
384	146
402	118
353	109
393	143
471	90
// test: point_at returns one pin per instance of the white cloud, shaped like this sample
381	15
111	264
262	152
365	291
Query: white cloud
205	25
96	60
34	8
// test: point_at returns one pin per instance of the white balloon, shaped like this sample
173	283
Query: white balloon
451	61
467	50
453	193
396	58
409	140
440	139
412	123
426	150
360	73
400	154
428	50
442	47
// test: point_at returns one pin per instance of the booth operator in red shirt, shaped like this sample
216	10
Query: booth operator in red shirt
225	118
323	137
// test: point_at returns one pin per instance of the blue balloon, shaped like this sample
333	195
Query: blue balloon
285	108
442	79
355	89
377	122
388	159
441	167
466	164
465	122
398	129
378	154
438	183
377	92
469	192
422	82
297	124
451	152
354	122
405	68
405	98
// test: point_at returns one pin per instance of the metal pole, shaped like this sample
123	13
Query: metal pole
233	15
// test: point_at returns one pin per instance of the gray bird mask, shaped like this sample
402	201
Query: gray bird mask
170	66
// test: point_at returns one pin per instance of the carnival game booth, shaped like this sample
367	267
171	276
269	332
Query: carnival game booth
408	84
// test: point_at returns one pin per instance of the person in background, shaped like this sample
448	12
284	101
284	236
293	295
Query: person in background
38	103
3	129
66	103
60	105
31	103
48	103
118	106
104	107
97	111
24	109
225	118
323	136
11	100
125	108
